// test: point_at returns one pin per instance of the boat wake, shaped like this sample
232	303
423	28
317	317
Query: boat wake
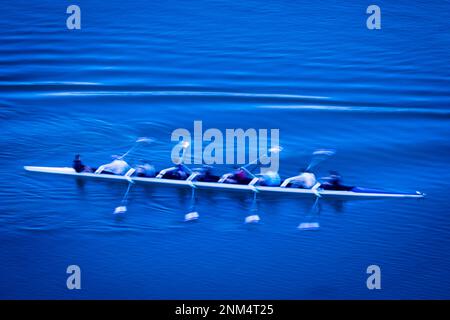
422	111
186	93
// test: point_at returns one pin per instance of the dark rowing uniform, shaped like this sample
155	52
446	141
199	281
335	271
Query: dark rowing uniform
78	166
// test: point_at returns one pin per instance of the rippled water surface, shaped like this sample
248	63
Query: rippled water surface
312	69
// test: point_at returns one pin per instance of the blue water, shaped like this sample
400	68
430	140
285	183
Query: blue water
312	69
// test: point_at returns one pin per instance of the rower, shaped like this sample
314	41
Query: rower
204	174
305	180
78	166
334	179
118	167
179	172
145	170
270	179
238	176
334	182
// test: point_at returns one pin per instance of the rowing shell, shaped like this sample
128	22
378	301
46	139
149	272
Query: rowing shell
357	193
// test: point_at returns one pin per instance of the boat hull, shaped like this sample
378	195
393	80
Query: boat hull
329	194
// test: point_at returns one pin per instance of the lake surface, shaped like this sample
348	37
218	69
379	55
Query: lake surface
380	98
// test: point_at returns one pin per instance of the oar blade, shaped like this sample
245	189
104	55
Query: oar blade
324	152
309	226
254	218
191	216
145	139
319	156
120	210
276	149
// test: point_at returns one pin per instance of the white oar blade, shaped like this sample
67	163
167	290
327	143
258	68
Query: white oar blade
320	156
144	139
309	226
252	219
120	210
324	152
191	216
276	149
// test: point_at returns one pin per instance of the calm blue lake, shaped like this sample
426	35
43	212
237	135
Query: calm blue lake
313	70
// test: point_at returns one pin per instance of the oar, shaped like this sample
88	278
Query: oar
123	206
193	214
319	156
184	145
135	145
253	217
311	225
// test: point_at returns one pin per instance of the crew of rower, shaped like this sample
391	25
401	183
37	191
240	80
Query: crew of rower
305	180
